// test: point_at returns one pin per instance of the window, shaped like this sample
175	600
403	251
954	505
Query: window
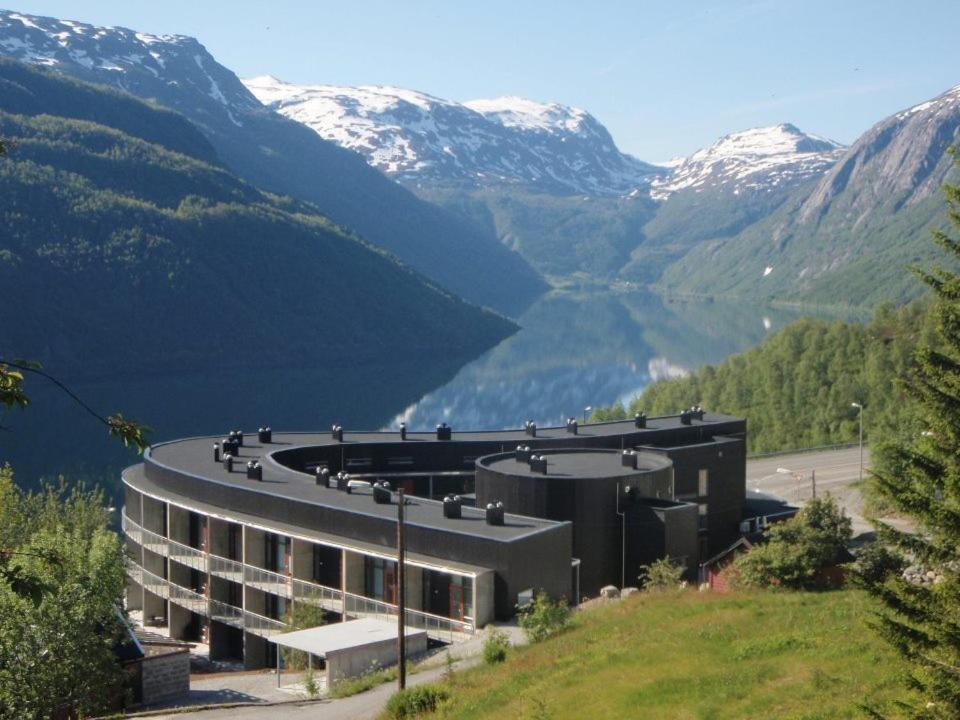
703	481
702	508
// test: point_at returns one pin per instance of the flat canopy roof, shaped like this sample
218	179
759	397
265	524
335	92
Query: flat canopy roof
590	463
337	637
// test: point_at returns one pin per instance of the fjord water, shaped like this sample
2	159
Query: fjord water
573	351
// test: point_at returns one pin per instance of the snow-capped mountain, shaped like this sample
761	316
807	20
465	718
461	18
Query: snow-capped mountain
277	154
416	137
759	159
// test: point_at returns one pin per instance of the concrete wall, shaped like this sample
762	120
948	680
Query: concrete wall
353	580
413	589
153	606
178	524
179	621
165	677
483	609
357	661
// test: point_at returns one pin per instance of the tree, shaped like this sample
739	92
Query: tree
921	480
305	613
57	645
662	574
797	549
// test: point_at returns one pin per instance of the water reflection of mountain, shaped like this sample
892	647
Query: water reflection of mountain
576	351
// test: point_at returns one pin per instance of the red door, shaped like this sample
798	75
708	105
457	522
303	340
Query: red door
456	602
389	584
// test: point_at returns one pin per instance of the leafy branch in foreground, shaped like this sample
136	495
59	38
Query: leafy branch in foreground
12	394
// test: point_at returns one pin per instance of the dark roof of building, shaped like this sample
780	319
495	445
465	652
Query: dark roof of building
192	459
570	463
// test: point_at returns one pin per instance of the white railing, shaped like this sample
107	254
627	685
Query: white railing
326	597
268	581
189	599
226	614
332	599
186	555
130	528
226	568
262	626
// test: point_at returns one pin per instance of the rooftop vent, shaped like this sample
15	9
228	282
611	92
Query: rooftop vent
523	453
230	446
403	431
254	471
640	420
686	417
494	513
238	436
216	452
444	431
228	463
538	463
264	435
697	412
572	426
628	458
323	477
452	507
336	432
631	493
343	481
381	493
530	428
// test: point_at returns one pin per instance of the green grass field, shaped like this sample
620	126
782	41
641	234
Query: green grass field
692	655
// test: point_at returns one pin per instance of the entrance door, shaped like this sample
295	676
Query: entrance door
456	601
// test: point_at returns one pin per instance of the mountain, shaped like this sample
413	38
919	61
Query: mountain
277	154
545	178
419	138
128	249
720	190
848	236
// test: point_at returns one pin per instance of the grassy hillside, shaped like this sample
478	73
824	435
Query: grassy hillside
120	253
764	655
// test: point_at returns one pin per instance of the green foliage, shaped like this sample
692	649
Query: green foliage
796	387
57	641
310	685
133	247
662	574
416	701
495	647
875	563
798	549
303	614
364	682
543	617
922	482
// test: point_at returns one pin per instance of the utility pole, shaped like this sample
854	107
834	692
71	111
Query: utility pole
813	482
401	605
623	542
860	409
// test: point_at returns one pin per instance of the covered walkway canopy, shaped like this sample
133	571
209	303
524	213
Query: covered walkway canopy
352	647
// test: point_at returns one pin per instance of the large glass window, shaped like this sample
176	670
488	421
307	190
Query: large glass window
380	579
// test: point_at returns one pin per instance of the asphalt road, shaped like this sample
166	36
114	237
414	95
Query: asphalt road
837	472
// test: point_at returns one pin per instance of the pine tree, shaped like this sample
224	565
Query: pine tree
921	480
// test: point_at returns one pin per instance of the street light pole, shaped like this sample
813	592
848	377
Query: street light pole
860	413
401	590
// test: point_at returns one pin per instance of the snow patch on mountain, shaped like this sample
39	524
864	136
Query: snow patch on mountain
418	137
759	159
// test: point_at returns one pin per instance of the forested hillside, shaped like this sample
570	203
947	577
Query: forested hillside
122	253
796	387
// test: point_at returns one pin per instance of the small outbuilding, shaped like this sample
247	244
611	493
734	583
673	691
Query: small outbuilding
351	648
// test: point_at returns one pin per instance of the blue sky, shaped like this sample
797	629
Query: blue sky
664	77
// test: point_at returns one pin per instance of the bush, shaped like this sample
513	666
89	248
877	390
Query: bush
416	701
797	549
543	617
495	647
662	574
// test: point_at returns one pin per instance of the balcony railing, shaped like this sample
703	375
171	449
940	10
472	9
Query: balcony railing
186	555
268	581
262	626
226	568
332	599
